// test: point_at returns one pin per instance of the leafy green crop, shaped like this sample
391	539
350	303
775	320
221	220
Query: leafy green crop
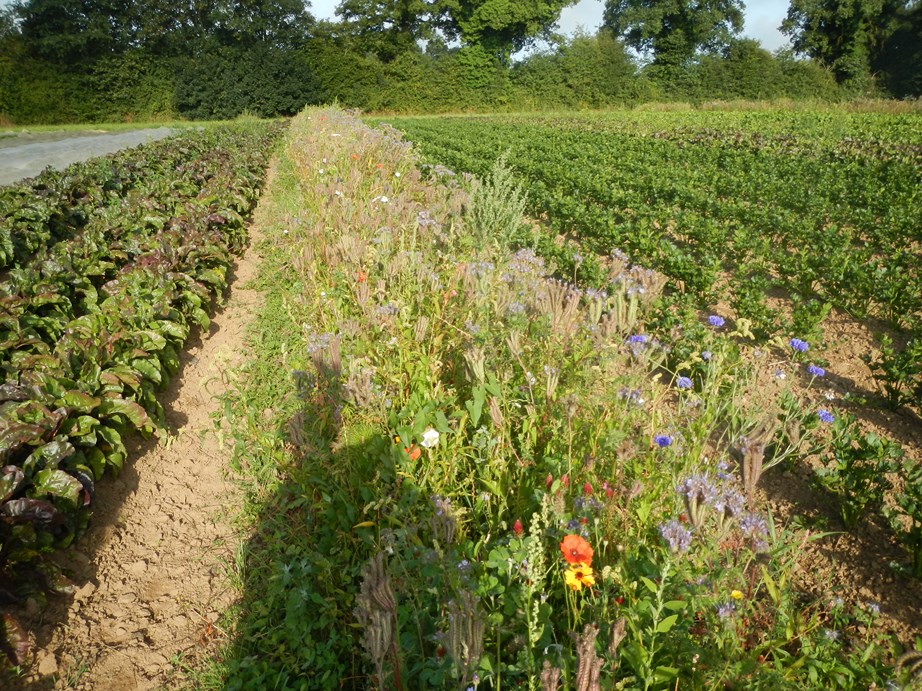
822	208
93	325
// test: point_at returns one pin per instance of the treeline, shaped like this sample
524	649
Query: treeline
96	60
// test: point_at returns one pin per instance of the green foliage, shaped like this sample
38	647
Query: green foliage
844	35
499	27
124	263
497	207
673	31
224	81
857	469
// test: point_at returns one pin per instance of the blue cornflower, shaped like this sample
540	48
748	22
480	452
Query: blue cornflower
663	440
678	537
825	415
683	383
799	345
716	320
816	371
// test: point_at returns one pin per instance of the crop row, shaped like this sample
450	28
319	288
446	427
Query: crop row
57	205
727	214
94	324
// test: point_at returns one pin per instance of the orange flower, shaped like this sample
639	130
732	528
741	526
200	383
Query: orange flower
413	452
576	550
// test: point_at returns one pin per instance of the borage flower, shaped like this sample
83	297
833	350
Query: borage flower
576	550
579	575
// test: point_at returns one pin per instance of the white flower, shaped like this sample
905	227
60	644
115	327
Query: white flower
430	438
397	174
382	199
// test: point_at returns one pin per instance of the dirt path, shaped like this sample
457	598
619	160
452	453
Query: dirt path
151	575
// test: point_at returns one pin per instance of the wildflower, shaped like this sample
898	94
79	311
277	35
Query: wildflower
831	634
816	371
637	338
799	346
413	451
517	528
549	481
830	395
779	373
736	594
873	608
678	537
716	321
430	438
662	440
683	383
631	396
706	355
825	415
579	575
697	491
576	550
726	610
587	488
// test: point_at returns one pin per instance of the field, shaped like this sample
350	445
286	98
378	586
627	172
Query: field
635	407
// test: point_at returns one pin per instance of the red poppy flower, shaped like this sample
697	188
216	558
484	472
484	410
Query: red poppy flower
576	550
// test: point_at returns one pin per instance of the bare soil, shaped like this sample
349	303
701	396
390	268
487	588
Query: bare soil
152	575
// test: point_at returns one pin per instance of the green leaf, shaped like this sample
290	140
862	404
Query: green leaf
78	401
149	368
131	410
57	483
651	586
11	479
15	434
666	624
675	605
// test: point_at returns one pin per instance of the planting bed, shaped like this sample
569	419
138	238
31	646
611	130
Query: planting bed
109	265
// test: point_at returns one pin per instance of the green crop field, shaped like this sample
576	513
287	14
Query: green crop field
585	401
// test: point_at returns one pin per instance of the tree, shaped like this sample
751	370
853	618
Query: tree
388	28
674	31
499	27
844	35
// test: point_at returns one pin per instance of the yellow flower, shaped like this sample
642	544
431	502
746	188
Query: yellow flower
736	595
579	575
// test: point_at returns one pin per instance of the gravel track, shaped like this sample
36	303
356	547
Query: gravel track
26	155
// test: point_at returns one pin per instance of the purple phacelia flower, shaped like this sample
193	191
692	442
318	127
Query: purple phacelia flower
677	535
637	338
683	383
816	371
663	440
716	321
799	345
825	415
